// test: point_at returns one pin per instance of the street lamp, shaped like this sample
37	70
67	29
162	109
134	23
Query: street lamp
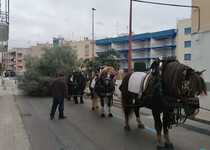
93	36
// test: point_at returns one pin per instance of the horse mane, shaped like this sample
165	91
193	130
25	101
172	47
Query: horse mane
173	75
107	70
198	84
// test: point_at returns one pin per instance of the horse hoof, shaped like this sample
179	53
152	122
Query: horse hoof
102	115
141	126
169	146
93	109
127	128
110	115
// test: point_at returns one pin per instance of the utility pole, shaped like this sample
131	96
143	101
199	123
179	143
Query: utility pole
130	40
93	34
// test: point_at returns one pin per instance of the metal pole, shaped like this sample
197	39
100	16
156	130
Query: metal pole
0	7
8	9
93	34
130	40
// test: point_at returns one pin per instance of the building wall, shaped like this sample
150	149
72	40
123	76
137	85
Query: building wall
201	39
14	59
83	48
204	15
38	50
182	36
201	53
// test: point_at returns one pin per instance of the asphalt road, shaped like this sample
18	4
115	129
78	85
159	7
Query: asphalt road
85	130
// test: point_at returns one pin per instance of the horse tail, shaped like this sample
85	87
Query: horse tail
126	96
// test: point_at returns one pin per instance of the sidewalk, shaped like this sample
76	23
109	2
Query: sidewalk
12	133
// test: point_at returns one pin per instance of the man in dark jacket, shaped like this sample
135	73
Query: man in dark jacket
59	92
80	84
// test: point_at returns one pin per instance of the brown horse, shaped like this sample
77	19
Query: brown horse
170	88
105	87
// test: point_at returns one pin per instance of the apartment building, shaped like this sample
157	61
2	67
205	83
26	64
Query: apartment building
145	47
14	59
39	49
184	41
82	47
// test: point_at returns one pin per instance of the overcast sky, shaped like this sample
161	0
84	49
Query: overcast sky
34	21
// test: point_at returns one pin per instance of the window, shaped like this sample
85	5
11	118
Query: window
187	44
187	30
187	57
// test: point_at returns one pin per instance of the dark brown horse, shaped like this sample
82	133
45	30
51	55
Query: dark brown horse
104	88
170	88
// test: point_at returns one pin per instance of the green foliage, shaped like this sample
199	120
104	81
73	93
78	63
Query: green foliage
109	58
41	71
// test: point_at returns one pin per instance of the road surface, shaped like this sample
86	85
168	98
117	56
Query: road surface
85	130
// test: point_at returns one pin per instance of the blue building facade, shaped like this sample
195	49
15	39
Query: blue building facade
145	47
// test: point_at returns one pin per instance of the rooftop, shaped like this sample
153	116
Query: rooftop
171	33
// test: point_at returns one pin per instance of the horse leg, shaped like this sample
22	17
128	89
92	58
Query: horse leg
93	104
102	107
109	106
138	120
158	127
93	99
168	143
96	102
75	100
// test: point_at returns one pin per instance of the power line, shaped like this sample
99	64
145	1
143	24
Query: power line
166	4
173	5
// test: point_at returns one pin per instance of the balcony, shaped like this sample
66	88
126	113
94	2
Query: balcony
163	47
134	49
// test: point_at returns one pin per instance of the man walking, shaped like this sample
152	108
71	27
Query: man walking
80	84
59	92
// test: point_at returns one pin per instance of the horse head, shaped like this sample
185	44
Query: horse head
106	81
193	83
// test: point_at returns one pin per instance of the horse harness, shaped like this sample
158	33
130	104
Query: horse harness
179	108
